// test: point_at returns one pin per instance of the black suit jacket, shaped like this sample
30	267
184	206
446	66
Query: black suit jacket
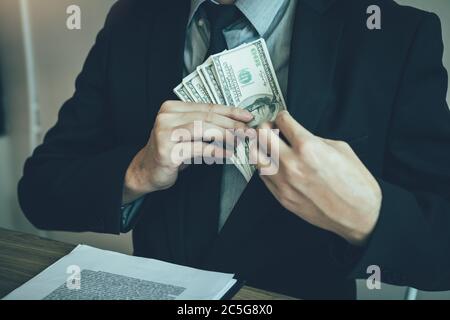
382	91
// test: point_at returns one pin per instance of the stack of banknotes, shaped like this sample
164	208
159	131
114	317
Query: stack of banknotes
243	77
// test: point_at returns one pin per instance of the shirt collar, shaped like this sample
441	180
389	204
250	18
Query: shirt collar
260	13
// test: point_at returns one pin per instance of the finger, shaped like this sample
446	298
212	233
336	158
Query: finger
269	140
264	137
215	153
213	118
206	132
203	131
226	111
184	152
291	129
259	157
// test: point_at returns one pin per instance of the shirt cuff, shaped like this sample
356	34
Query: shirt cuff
129	212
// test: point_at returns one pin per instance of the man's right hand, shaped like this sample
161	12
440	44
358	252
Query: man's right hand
153	168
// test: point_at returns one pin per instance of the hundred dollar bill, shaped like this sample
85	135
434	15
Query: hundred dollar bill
205	84
182	93
242	77
209	74
247	78
196	89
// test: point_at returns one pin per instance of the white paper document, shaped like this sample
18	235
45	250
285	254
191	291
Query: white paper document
88	273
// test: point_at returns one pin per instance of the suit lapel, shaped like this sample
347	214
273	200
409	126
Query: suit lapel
314	51
166	49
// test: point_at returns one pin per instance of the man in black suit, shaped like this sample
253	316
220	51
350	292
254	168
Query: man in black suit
364	175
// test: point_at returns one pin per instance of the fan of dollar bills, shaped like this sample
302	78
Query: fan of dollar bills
243	77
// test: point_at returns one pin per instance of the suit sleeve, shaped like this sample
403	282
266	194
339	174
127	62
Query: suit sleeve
74	180
411	241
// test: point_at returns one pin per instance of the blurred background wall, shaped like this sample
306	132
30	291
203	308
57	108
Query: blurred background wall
38	72
58	55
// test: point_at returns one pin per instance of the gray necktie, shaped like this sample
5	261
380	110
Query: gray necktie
233	182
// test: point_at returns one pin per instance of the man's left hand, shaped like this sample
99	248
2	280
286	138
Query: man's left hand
321	181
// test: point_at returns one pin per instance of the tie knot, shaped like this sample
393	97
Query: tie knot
221	16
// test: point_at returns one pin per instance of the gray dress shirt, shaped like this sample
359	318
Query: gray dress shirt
269	19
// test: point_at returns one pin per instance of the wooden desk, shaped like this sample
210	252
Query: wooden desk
22	256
